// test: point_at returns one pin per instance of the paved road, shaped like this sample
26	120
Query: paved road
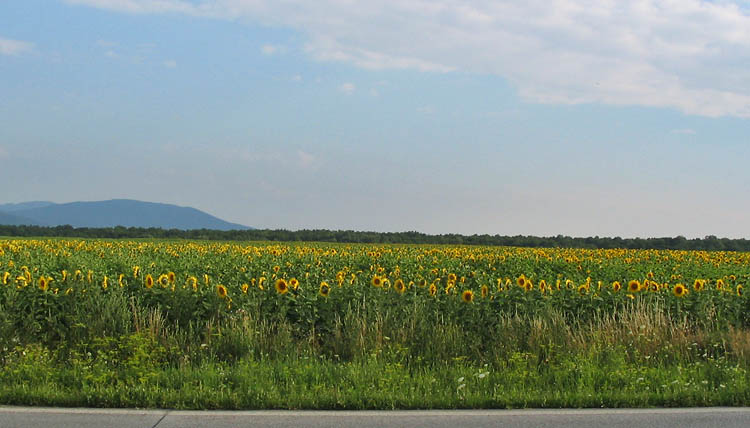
11	417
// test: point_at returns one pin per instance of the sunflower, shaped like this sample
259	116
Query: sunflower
105	282
739	289
221	291
485	291
433	289
64	275
399	286
376	281
206	279
281	286
325	289
467	296
583	289
699	284
90	276
521	281
616	286
43	283
422	282
136	270
634	286
386	283
543	286
163	280
121	280
528	285
77	275
6	275
719	284
192	282
244	288
679	290
452	277
149	281
171	277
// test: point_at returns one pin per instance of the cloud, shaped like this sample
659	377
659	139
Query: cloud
348	88
685	131
14	47
690	55
271	49
170	63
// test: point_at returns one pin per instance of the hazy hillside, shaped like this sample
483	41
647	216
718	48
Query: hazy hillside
16	220
116	212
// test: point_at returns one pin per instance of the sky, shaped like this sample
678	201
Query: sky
543	117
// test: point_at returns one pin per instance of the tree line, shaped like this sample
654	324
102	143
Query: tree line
711	243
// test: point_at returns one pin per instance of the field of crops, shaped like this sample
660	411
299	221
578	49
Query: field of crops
188	324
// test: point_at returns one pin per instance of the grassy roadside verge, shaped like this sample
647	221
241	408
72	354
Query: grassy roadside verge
602	379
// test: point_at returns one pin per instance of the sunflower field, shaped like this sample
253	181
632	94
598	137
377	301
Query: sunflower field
260	325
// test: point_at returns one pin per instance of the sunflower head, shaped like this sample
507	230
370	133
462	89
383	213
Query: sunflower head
521	281
325	289
616	286
149	281
433	289
221	291
680	290
634	286
467	296
244	288
294	283
485	291
699	284
376	281
583	289
171	277
739	289
281	286
399	286
43	283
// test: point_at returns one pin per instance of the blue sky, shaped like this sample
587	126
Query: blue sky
546	117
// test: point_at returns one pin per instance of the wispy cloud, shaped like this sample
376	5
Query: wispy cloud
14	47
169	63
689	55
683	131
271	49
348	88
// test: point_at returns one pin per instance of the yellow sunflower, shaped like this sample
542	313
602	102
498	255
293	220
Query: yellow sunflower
433	289
399	286
616	286
699	284
221	291
281	286
171	277
521	281
679	290
485	291
43	283
149	281
136	270
325	289
467	296
294	283
244	288
376	281
739	289
634	286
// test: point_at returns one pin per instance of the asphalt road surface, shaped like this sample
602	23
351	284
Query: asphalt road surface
11	417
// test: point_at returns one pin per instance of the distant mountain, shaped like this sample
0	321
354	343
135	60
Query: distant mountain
9	208
16	220
116	212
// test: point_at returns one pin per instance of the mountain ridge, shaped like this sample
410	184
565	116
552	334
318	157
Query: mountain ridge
111	213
